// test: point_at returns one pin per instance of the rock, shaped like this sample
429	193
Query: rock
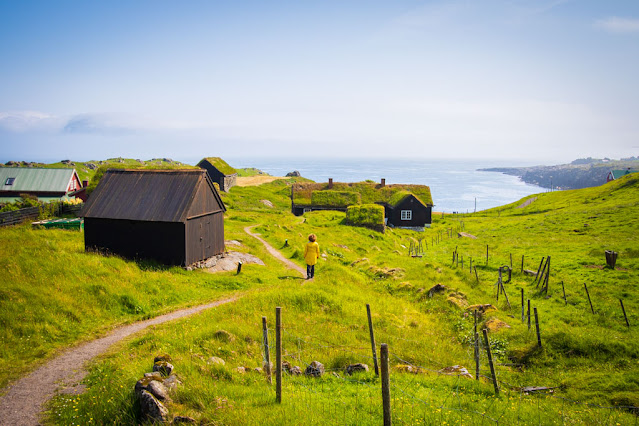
495	324
456	370
164	357
294	173
295	371
171	382
229	261
66	161
154	376
183	419
158	390
405	368
437	288
336	374
315	369
354	368
216	361
223	336
241	370
267	203
10	163
482	309
151	408
233	243
163	367
286	366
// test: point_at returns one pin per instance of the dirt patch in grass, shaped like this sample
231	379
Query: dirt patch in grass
256	180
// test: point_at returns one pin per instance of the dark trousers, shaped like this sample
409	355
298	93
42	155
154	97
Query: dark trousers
310	271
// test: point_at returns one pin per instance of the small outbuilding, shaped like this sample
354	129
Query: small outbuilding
220	172
173	216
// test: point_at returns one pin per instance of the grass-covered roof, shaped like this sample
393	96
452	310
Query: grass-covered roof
369	192
221	165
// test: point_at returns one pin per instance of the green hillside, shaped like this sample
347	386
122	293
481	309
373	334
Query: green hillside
589	360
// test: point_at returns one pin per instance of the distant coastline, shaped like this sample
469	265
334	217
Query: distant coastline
581	173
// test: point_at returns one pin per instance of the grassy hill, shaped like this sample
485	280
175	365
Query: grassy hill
56	295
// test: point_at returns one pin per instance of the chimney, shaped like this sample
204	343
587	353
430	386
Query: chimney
85	183
383	182
330	183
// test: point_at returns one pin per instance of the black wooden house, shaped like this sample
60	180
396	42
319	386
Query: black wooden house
173	216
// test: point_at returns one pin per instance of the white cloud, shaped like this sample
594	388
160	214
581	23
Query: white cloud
21	121
615	24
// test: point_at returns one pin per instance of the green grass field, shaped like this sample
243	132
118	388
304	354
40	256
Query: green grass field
57	295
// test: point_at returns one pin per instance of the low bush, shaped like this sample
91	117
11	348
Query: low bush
368	215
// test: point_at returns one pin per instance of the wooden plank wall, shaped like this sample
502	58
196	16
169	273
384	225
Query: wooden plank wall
18	216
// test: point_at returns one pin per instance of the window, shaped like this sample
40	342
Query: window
407	214
9	181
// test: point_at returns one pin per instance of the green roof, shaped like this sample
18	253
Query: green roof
221	165
616	174
35	179
370	192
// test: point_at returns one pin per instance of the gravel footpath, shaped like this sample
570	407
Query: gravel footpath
279	256
24	399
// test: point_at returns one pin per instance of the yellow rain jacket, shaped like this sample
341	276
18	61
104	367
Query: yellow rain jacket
311	253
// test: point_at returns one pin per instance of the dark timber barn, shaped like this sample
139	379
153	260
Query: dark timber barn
173	216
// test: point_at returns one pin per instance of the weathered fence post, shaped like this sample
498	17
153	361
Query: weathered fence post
589	301
267	354
386	398
476	336
523	310
476	276
372	334
528	314
611	258
537	328
486	254
539	269
239	266
522	263
624	313
278	354
490	362
564	290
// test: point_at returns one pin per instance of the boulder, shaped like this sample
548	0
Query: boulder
437	288
354	368
216	361
294	173
405	368
458	300
224	336
158	390
165	368
315	369
152	408
295	371
267	203
154	376
241	370
456	370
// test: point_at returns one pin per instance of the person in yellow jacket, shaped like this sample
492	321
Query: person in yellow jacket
311	254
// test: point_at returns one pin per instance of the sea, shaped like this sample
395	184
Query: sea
456	185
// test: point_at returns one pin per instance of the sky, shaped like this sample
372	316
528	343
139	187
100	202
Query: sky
542	80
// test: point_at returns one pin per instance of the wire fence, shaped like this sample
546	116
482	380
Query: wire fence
423	389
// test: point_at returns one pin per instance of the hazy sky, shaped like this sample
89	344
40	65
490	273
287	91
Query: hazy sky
546	80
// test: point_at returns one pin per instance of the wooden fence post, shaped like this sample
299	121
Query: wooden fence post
486	254
539	269
528	314
266	350
523	310
522	263
490	362
511	261
476	335
476	276
624	313
386	398
564	290
589	301
372	334
537	328
278	354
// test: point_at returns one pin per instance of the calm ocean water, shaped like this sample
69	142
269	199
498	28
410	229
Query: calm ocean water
454	184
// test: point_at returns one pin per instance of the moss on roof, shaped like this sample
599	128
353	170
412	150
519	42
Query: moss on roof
335	198
221	165
369	192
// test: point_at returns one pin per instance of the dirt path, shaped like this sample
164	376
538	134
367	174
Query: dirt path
25	398
526	203
279	256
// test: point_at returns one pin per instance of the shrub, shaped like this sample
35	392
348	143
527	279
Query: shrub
368	215
335	198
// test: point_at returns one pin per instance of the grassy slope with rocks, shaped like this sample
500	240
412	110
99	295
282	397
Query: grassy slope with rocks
586	357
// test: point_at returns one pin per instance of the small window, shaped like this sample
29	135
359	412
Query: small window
407	214
9	181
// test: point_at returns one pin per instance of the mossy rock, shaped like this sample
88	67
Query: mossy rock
223	336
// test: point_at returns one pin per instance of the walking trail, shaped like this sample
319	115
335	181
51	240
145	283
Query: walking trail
275	253
25	398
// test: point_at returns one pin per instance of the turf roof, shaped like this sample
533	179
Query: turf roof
370	192
221	165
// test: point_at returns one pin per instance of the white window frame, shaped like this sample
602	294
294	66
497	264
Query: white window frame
407	215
